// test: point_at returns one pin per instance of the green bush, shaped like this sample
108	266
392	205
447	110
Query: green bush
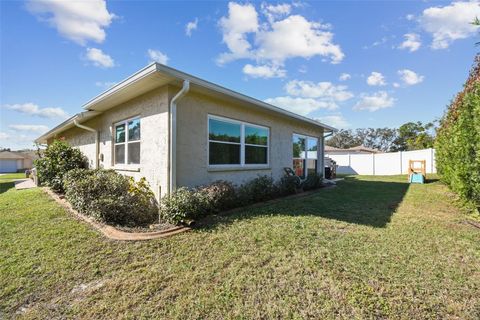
111	197
288	185
259	189
58	159
313	181
183	205
219	195
458	141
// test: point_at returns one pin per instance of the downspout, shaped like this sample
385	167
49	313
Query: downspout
172	174
97	143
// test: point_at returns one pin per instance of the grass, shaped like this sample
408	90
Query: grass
374	247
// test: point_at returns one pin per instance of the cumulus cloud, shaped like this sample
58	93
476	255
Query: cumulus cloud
264	71
376	101
449	23
323	90
272	42
191	26
99	58
157	56
34	110
410	17
302	106
79	21
4	136
29	128
410	77
376	79
344	77
412	42
335	120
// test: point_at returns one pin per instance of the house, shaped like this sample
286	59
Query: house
15	161
175	130
353	150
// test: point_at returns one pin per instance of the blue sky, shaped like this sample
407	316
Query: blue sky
400	61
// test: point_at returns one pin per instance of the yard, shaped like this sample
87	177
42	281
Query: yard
374	247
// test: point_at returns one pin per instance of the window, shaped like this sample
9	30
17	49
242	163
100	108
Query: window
232	142
127	142
304	155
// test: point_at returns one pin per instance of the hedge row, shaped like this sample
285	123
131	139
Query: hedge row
185	204
458	141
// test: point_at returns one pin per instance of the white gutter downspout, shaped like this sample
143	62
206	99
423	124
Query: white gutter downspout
97	143
172	176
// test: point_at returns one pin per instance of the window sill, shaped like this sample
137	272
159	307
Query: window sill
128	169
237	168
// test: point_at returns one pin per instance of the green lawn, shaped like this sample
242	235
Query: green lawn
374	247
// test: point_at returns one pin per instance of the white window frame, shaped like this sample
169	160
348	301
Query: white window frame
306	151
126	143
242	144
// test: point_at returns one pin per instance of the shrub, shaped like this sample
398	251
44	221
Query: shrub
458	141
288	185
58	159
219	195
259	189
183	205
111	197
313	181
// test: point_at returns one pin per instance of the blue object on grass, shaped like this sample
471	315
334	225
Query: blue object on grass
417	178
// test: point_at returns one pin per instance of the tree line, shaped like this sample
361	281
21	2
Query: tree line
409	136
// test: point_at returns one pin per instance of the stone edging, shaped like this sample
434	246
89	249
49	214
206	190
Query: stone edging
112	232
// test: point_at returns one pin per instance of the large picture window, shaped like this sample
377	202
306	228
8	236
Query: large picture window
304	155
127	142
232	142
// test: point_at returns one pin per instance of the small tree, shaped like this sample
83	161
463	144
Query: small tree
58	159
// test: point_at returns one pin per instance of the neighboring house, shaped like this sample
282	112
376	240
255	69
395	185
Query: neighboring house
354	150
175	130
14	161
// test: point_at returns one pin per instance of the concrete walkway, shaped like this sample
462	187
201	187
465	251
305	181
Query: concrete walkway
24	184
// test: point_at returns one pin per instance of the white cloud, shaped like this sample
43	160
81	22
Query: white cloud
157	56
264	71
322	90
302	106
29	127
376	79
79	21
272	42
105	84
189	27
412	42
378	100
410	77
336	121
450	23
273	12
344	77
410	17
99	58
242	19
34	110
4	136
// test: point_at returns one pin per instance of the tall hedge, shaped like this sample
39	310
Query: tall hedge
458	141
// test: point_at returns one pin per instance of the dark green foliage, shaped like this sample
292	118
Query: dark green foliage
458	141
58	159
111	197
313	181
219	195
288	185
261	188
182	205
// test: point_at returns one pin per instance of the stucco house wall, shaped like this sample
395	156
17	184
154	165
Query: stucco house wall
152	109
192	140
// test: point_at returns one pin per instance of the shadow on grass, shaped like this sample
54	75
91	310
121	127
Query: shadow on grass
6	185
354	200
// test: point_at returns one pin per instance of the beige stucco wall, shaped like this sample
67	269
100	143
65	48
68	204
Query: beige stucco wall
152	108
192	140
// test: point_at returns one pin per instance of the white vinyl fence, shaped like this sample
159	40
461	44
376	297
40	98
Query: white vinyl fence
382	163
